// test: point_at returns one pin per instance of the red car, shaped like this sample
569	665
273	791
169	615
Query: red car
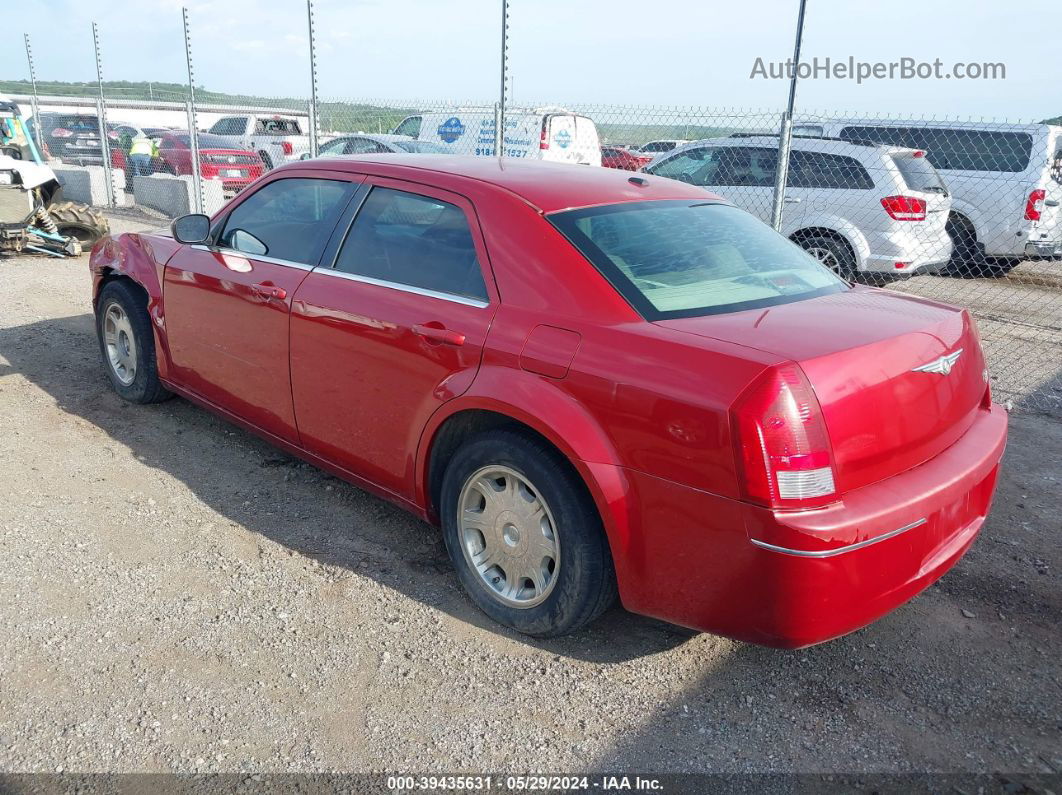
595	382
236	168
624	159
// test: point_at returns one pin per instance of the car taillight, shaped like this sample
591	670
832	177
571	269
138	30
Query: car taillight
286	147
782	446
543	139
1035	206
61	132
905	208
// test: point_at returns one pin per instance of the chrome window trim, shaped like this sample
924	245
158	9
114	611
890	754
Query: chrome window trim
405	288
829	553
271	260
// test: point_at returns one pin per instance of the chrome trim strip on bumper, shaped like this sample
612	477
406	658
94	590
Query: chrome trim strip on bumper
829	553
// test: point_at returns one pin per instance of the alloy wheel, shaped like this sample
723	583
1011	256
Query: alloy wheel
120	343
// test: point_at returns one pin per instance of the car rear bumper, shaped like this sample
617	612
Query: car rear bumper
914	252
795	579
1044	248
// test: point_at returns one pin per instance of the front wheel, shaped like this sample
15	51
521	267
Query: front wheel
127	344
525	536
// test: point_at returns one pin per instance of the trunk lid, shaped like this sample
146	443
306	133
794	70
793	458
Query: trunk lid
875	361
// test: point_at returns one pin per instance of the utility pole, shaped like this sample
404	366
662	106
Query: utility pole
193	121
785	138
105	137
33	86
315	131
499	114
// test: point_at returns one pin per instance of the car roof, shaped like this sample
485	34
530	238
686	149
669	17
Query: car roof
547	186
803	143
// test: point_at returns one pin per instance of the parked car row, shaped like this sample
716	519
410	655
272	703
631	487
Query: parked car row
863	196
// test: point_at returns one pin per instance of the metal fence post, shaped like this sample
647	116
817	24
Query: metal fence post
785	134
33	86
499	124
101	112
315	131
193	127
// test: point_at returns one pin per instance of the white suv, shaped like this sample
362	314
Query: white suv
856	207
1005	181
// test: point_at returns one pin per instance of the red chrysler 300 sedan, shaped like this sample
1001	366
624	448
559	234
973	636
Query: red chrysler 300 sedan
595	383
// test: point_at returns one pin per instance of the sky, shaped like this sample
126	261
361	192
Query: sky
683	53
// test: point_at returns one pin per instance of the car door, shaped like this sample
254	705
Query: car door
392	330
227	304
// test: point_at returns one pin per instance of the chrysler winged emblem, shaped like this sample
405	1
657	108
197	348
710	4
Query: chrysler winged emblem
941	366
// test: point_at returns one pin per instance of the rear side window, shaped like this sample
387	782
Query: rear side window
677	259
918	173
418	241
954	149
822	170
1056	167
291	218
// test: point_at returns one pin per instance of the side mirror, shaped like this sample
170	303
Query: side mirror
194	228
304	156
243	241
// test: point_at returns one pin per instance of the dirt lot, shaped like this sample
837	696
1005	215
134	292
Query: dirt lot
176	595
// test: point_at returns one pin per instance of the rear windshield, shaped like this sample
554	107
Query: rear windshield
422	147
919	173
277	127
680	259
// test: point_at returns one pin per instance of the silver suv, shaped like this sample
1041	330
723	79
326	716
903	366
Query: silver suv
856	207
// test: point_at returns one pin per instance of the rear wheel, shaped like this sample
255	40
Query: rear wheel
831	252
525	536
967	253
80	221
127	343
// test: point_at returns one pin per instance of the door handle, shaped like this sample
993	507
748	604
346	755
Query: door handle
269	291
436	332
792	199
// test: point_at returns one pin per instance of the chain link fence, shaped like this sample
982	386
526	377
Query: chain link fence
965	212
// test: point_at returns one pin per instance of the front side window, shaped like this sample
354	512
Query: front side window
334	148
291	218
419	241
410	127
681	259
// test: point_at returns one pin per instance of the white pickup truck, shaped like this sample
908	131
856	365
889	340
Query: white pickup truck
276	139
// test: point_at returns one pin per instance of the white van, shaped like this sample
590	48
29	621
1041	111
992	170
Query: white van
1005	182
544	134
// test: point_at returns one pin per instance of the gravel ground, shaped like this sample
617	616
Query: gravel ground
175	595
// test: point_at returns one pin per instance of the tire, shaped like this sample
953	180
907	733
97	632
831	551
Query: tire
580	584
267	160
998	267
81	221
831	252
967	254
127	343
